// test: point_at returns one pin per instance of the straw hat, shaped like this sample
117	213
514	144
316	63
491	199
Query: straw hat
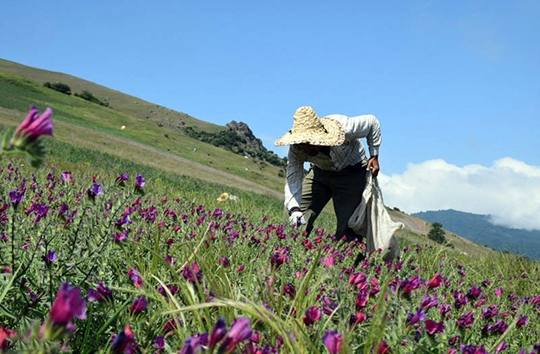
309	128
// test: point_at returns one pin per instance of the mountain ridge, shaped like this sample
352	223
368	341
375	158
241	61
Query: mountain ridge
479	229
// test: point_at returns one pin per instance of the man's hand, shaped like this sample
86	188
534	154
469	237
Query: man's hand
373	165
296	219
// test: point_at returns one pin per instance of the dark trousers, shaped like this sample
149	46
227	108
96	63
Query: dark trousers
345	188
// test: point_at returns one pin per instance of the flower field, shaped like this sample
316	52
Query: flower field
101	260
107	263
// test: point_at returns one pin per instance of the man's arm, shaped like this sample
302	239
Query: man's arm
295	177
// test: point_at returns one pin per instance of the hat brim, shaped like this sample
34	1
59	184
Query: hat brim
334	135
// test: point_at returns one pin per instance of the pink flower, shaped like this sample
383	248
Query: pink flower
332	341
68	304
35	125
5	333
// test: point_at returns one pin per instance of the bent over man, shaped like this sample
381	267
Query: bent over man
338	166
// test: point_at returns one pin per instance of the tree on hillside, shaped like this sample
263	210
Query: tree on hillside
58	86
437	233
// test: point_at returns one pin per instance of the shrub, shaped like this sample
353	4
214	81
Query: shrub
89	96
58	86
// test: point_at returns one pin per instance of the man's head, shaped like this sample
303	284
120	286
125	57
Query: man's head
308	128
309	149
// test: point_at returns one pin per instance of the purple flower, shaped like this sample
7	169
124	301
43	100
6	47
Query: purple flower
50	257
194	344
466	320
419	316
68	304
138	305
100	294
312	315
122	177
159	342
239	332
489	312
94	191
429	302
523	320
16	197
124	342
332	341
35	125
433	327
135	277
139	182
218	332
224	261
66	176
501	347
120	236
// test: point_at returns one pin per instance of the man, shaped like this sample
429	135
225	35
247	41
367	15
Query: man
338	166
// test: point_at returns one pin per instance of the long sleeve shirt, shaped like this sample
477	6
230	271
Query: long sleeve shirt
349	153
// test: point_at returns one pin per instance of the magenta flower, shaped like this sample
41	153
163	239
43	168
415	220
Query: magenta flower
239	332
433	327
435	282
159	342
138	305
332	341
5	333
67	305
35	125
313	314
498	292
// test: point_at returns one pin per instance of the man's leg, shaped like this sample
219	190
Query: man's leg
347	189
315	195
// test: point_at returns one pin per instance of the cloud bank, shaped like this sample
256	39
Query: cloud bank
509	190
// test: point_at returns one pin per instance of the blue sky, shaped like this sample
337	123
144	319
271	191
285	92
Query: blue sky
455	84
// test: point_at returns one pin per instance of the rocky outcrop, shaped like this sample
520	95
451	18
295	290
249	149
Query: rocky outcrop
245	132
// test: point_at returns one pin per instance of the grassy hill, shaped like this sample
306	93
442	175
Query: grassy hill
154	137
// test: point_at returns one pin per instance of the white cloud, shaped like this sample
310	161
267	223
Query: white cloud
509	190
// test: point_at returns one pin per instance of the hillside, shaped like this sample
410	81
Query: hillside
479	229
155	136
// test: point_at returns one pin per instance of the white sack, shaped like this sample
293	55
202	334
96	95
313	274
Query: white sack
371	219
